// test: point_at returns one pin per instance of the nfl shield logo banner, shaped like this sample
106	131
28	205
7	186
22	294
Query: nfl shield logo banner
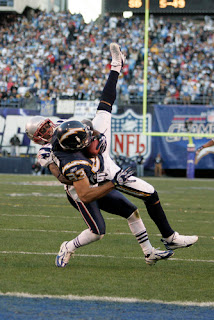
127	138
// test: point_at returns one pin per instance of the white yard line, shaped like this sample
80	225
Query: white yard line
106	299
100	256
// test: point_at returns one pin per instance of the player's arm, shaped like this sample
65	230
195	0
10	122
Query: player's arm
210	143
87	193
45	159
56	172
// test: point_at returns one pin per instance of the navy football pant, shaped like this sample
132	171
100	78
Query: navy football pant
114	202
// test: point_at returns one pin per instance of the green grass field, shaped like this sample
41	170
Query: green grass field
36	217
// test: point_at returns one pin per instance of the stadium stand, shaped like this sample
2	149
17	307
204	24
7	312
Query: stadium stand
56	55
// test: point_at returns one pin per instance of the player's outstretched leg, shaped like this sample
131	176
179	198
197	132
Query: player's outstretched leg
138	229
102	120
142	190
108	95
157	255
176	241
118	58
171	239
68	248
63	256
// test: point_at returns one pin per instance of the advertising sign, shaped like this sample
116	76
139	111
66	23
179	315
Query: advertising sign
182	119
127	138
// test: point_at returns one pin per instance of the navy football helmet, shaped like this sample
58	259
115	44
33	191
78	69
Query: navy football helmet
74	135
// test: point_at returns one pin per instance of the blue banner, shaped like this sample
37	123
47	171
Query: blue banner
47	108
127	139
4	112
182	119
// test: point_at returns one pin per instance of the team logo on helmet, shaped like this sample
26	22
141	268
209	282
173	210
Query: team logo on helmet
73	135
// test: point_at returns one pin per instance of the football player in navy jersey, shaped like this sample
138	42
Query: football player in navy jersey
84	174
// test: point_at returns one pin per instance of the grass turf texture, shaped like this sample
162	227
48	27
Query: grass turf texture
36	217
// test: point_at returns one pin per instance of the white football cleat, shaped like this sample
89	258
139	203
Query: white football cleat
118	58
63	256
157	255
179	241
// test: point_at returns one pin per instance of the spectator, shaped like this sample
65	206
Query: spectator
36	167
62	47
15	143
140	167
158	165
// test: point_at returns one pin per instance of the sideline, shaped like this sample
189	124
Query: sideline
107	299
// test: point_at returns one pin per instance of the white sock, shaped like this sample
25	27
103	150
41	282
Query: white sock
84	238
138	229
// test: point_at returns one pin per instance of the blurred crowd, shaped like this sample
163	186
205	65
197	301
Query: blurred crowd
56	55
136	163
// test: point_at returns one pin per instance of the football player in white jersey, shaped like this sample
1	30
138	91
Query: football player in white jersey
69	148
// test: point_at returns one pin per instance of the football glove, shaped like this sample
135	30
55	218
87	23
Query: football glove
122	177
102	142
98	177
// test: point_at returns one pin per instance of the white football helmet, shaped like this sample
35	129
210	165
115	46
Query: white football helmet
40	129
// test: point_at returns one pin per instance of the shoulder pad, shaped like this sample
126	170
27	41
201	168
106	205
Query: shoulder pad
44	155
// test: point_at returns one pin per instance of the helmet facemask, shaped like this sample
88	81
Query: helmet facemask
44	132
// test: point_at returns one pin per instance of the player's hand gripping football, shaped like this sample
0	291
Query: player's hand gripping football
122	177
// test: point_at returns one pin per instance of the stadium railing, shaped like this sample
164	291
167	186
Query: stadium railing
132	99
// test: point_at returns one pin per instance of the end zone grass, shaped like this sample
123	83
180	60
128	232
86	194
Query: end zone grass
36	217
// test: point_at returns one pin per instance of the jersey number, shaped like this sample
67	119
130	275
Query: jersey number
77	175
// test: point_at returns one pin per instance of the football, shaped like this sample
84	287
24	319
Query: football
91	149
